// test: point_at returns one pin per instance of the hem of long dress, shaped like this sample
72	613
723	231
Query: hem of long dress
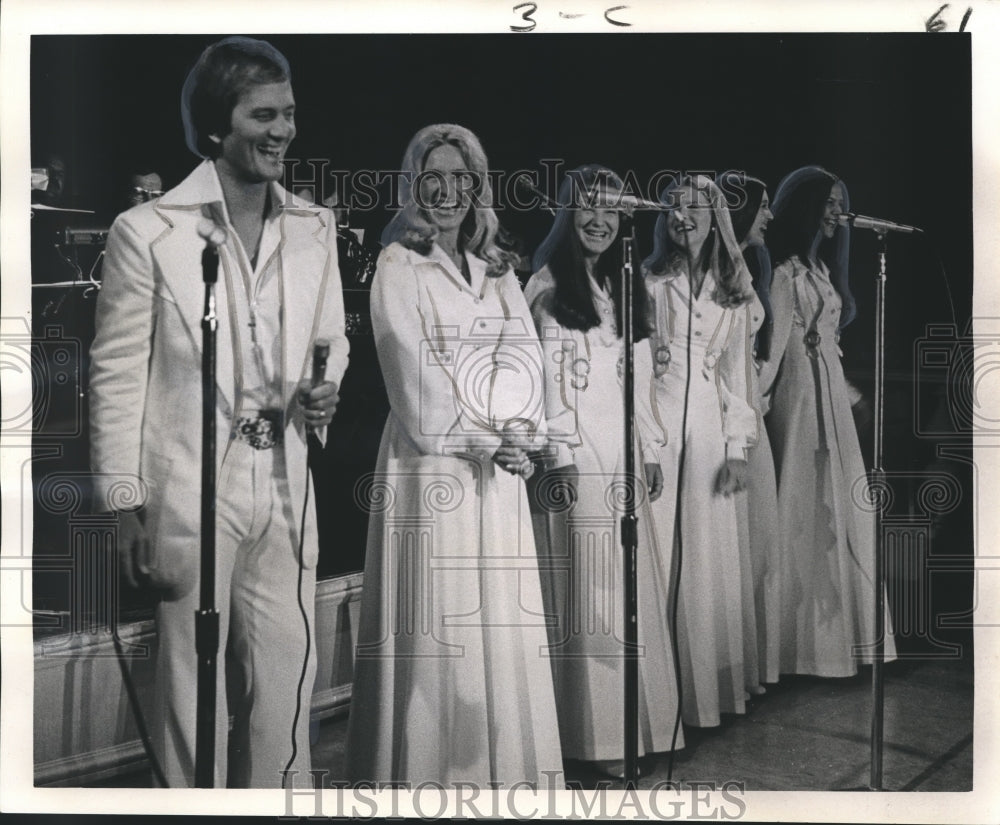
618	754
713	721
822	673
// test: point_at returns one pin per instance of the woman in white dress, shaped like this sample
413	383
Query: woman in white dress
699	286
757	506
827	590
452	680
575	300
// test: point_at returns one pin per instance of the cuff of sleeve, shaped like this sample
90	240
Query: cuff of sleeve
489	444
119	493
736	448
650	454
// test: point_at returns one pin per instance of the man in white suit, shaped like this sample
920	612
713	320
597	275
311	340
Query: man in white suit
278	292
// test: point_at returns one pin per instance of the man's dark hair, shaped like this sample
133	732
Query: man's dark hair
214	85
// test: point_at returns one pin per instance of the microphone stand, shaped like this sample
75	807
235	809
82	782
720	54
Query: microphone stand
878	480
206	618
629	532
629	521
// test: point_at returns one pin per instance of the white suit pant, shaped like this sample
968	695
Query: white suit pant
261	595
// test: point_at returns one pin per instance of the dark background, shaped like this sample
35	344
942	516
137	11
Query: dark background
889	113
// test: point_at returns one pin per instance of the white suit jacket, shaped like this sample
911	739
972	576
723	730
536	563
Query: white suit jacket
145	375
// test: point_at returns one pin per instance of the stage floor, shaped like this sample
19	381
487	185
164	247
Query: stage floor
808	734
804	734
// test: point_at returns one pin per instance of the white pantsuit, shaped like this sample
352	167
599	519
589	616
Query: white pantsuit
145	404
704	410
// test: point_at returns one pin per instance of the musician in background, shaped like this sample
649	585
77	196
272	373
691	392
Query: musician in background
278	292
48	181
143	187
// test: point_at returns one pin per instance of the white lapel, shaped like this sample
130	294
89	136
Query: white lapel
178	255
306	269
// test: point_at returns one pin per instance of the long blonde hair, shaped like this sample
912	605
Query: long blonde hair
721	254
478	232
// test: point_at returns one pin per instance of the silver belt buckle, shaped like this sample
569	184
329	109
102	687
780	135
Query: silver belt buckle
261	431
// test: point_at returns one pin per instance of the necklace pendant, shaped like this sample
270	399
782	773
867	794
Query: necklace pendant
812	341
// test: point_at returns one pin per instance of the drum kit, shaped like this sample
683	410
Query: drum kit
59	248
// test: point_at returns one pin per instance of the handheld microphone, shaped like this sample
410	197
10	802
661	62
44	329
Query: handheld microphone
321	351
876	224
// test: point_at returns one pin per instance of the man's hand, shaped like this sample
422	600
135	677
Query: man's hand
133	549
654	480
318	403
732	477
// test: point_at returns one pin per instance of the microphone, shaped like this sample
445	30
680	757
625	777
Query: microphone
212	226
594	200
321	351
878	225
547	203
211	229
619	200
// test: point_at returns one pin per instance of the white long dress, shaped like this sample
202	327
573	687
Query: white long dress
452	680
761	541
720	423
827	588
581	544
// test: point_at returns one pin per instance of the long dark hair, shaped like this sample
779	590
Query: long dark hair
745	211
756	256
573	303
798	209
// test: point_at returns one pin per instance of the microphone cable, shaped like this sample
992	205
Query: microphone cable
675	583
140	719
944	277
321	350
305	622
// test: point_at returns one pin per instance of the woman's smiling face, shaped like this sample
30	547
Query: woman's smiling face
596	229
